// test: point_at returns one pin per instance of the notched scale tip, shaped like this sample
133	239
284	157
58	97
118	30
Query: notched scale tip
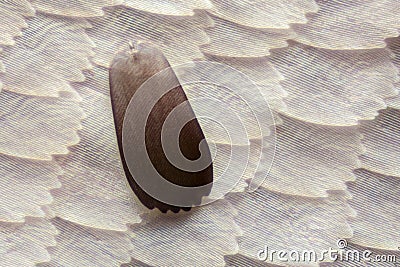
129	70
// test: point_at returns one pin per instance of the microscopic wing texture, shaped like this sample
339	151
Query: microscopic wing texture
169	7
235	166
394	46
239	260
381	139
74	8
236	120
354	24
376	201
135	263
12	20
200	237
225	171
394	102
262	73
313	159
37	127
335	87
234	40
264	13
24	244
25	186
97	80
85	246
1	70
94	189
51	52
283	222
311	198
177	37
232	116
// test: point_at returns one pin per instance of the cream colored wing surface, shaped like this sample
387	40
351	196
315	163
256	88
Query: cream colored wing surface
40	115
323	67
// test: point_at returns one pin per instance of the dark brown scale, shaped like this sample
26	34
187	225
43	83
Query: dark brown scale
129	70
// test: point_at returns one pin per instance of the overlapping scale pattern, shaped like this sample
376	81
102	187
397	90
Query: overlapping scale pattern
263	13
39	116
25	187
51	53
178	37
322	66
169	7
84	246
313	159
234	40
282	222
12	19
381	137
354	24
37	127
25	244
375	199
335	87
74	8
208	232
94	189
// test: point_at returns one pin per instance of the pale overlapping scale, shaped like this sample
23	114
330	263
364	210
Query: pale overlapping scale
78	245
169	7
376	201
51	53
234	117
381	138
97	80
1	70
200	237
233	178
394	102
283	222
237	166
313	159
25	187
230	107
24	244
12	20
94	189
264	13
355	24
37	127
220	124
263	74
74	8
178	37
234	40
233	123
394	46
335	87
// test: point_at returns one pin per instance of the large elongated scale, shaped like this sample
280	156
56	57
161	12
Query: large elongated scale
129	70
